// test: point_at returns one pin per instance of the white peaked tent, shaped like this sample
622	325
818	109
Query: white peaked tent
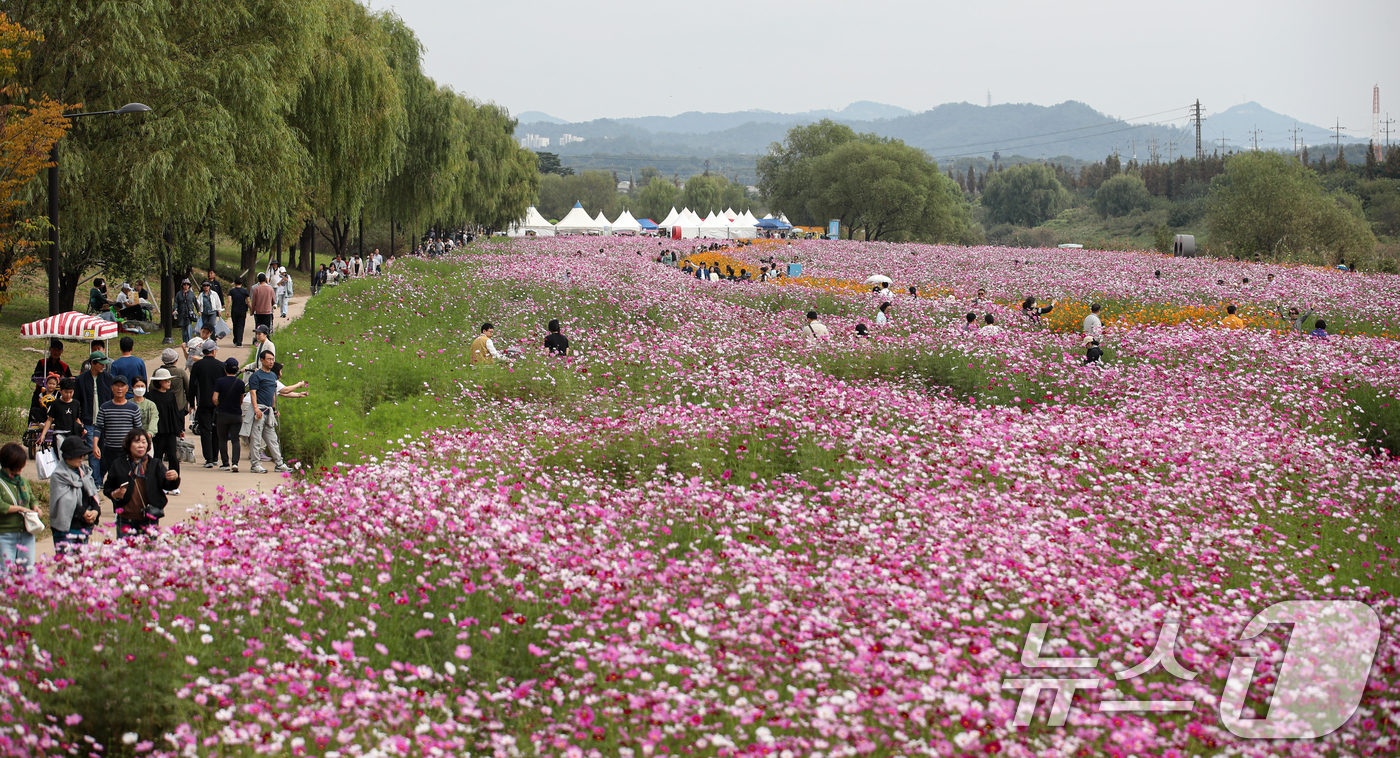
767	215
728	225
783	218
748	219
578	222
604	225
626	224
672	219
532	223
689	224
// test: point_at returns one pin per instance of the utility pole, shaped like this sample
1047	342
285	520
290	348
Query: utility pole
1223	142
1196	116
1388	122
1295	140
1338	129
1256	137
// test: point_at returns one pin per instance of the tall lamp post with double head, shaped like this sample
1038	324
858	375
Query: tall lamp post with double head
55	261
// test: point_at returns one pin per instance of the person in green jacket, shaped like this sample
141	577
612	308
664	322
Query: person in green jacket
16	543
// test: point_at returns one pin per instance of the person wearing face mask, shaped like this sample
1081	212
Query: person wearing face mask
150	415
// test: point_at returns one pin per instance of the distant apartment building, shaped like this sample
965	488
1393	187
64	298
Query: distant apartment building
535	142
569	139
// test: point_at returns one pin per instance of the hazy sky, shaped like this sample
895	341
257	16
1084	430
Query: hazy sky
1313	61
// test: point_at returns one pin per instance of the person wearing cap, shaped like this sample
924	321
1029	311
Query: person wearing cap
179	380
194	350
238	310
261	343
262	392
73	504
284	290
129	304
205	374
186	310
115	419
211	306
170	423
228	396
260	298
94	389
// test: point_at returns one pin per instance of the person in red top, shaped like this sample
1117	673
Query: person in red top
260	300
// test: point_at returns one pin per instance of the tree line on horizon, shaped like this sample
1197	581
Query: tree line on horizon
270	120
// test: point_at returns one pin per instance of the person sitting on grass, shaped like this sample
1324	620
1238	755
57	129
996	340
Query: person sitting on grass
483	348
555	342
990	329
815	329
971	324
1319	331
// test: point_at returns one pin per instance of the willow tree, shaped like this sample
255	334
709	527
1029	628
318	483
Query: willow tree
351	115
220	76
501	178
434	148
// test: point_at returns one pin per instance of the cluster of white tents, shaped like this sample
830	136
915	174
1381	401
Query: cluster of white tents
726	225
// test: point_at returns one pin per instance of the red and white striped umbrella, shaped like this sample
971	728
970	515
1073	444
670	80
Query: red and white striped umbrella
69	326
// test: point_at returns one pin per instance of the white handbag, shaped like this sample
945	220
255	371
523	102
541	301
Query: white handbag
32	523
45	462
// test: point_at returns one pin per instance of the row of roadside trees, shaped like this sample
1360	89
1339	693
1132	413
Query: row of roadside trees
270	120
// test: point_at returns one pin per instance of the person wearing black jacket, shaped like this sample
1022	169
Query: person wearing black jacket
137	484
238	310
203	375
1032	313
94	389
171	424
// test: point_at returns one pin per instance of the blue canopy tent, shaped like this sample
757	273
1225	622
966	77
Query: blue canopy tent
773	223
647	224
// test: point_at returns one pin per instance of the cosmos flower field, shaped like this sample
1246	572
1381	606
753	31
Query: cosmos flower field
704	535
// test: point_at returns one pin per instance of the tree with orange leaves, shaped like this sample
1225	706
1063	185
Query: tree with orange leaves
28	129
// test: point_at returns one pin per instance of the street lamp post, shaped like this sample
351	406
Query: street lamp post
55	261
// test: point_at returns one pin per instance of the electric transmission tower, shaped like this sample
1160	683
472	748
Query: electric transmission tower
1196	116
1376	121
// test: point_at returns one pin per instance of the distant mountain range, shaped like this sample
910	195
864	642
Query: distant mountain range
950	132
1238	123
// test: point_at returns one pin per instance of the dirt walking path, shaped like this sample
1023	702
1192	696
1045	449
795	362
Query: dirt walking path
199	486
